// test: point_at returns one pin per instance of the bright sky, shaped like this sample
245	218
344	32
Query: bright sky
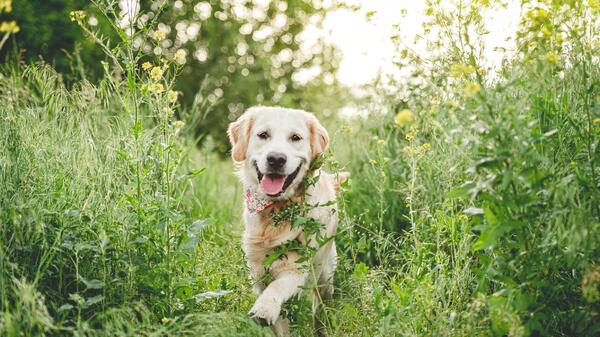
366	45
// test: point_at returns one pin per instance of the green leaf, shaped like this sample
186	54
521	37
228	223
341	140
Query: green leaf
462	191
193	235
94	300
489	237
360	270
65	307
473	211
490	217
193	173
550	133
92	284
211	294
299	221
268	261
123	154
507	178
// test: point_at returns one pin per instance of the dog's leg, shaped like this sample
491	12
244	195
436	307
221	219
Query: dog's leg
281	327
326	277
268	304
257	272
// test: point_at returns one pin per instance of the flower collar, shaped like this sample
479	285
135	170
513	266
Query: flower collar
254	203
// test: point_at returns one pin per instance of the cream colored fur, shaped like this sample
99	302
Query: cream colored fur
260	236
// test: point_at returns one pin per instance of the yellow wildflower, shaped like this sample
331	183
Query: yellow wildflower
9	27
168	111
410	150
458	70
559	37
552	58
178	124
471	89
172	96
6	6
540	13
596	121
179	56
381	142
156	73
157	88
372	162
546	31
77	16
159	35
410	135
416	150
403	117
146	65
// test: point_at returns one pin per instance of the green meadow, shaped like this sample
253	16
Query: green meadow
473	207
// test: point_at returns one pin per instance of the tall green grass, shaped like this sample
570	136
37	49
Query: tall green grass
473	207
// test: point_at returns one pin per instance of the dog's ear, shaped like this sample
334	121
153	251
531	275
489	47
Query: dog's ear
239	135
319	138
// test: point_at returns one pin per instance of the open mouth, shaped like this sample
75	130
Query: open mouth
274	184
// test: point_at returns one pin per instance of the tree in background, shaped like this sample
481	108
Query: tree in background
236	53
241	53
47	34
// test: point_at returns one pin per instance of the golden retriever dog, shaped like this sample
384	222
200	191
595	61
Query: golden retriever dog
273	149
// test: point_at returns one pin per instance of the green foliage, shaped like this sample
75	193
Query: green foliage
510	158
245	53
238	54
48	34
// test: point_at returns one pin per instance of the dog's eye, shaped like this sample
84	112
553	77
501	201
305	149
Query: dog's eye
263	135
295	138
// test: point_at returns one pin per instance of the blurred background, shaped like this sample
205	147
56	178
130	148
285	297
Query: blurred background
317	55
238	53
471	129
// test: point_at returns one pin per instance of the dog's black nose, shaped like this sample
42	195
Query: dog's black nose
276	160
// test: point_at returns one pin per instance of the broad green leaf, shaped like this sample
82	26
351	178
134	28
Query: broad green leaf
268	261
94	300
473	211
211	294
490	217
489	237
92	284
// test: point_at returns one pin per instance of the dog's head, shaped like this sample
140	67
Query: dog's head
274	148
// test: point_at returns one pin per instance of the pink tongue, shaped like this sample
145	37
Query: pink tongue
272	184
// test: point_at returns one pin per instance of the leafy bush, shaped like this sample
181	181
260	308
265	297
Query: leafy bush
496	178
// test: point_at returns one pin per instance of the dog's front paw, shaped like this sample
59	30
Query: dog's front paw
266	309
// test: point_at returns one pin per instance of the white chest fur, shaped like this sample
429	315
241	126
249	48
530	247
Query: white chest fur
261	236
